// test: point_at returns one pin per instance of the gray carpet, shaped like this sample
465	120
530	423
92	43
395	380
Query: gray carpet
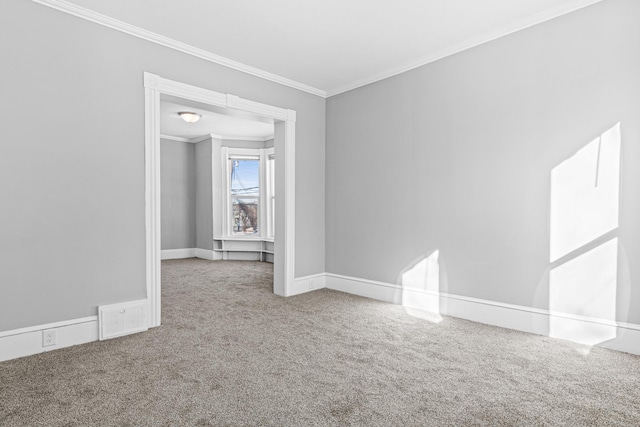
230	353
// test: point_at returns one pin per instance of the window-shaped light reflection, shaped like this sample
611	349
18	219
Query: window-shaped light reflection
585	194
586	286
421	287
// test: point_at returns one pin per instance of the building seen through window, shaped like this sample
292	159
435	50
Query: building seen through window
245	196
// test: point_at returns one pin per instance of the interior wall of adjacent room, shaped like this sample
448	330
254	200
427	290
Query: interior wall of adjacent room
456	156
76	182
178	194
204	194
192	190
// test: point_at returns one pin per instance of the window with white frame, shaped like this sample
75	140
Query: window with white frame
270	191
248	205
244	190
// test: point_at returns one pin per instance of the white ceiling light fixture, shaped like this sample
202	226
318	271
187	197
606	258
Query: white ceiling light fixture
189	116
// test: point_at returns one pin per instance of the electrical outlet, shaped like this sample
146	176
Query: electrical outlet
49	338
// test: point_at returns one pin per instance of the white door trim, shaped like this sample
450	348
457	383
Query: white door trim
284	260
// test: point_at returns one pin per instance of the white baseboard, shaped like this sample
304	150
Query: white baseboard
28	341
613	335
190	253
590	331
364	288
308	283
239	255
177	253
208	254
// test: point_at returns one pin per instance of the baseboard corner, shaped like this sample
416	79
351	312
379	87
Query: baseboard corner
310	283
207	254
166	254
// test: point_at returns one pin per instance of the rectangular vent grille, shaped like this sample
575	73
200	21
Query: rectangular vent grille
116	320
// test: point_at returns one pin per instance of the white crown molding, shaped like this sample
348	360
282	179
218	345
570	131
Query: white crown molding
118	25
209	136
174	138
200	138
563	9
189	140
244	138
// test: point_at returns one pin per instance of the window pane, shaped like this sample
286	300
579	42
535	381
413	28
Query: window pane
245	177
271	163
244	216
271	194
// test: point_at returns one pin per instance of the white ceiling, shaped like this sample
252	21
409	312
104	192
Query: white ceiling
331	45
220	124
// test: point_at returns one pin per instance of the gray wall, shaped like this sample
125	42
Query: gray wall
204	195
72	227
456	156
178	194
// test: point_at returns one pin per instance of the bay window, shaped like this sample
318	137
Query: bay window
248	192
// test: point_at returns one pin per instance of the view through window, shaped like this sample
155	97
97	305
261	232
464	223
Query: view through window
245	195
271	195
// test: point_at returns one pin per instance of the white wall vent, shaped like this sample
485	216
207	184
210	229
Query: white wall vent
116	320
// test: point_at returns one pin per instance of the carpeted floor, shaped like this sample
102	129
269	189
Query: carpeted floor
230	353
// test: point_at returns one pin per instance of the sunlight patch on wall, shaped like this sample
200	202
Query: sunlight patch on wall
421	289
585	194
585	286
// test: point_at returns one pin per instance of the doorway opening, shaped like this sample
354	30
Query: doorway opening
247	217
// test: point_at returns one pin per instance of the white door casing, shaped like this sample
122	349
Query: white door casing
284	239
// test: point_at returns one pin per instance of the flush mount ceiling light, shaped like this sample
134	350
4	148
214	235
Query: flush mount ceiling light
189	116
